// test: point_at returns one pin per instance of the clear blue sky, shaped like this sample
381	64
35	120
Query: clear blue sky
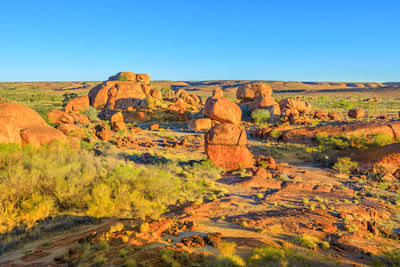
303	40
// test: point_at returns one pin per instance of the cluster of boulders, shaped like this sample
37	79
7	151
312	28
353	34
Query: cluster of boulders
293	110
225	142
258	96
23	125
123	90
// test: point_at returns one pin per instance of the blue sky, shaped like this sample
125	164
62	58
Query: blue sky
296	40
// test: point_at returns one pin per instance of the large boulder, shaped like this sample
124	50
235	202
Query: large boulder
40	135
20	116
249	92
222	109
226	134
23	125
77	104
58	116
225	145
229	157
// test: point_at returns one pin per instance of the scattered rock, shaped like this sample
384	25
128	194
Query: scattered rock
356	113
154	126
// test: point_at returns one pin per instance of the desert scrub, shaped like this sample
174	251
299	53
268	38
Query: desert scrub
261	115
345	165
91	113
276	256
227	256
36	184
389	258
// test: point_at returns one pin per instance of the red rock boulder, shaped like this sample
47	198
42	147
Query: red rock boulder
76	104
225	145
249	92
40	135
58	116
229	157
222	109
356	113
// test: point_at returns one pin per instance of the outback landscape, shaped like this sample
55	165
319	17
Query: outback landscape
134	172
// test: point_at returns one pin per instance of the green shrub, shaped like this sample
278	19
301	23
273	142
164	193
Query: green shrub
68	97
307	241
388	258
345	165
167	257
276	256
261	115
382	140
36	184
91	113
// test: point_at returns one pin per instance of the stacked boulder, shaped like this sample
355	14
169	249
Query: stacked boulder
225	142
123	90
23	125
258	96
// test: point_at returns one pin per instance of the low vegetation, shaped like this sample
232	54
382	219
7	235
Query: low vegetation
36	184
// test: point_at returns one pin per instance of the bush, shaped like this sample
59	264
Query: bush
345	165
36	184
276	256
91	113
307	241
261	115
68	97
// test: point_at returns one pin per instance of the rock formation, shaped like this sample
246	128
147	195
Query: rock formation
23	125
225	143
123	90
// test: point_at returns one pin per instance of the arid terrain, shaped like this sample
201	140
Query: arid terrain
134	172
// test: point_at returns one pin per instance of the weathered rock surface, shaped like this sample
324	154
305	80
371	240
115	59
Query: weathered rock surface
79	103
23	125
251	91
121	91
58	116
222	109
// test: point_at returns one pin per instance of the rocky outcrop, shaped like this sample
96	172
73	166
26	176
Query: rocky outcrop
123	90
23	125
225	143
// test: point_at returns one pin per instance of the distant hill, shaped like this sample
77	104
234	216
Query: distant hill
230	86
